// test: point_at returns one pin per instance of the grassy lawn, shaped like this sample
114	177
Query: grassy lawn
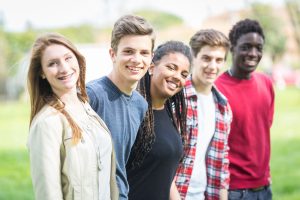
15	182
285	136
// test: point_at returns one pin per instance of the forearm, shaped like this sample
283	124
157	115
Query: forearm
223	194
174	194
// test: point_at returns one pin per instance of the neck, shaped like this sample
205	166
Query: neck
70	100
233	72
124	85
201	88
69	97
157	104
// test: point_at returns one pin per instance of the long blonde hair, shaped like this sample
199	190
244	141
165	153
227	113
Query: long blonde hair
39	89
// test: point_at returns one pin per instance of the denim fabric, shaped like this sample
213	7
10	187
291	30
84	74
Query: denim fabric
248	194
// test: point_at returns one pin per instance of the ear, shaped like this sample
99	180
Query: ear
112	55
151	69
43	76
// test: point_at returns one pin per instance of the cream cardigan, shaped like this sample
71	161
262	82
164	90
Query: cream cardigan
59	169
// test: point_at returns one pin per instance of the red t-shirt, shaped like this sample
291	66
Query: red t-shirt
252	103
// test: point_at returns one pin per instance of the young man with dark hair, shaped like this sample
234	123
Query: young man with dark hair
114	97
251	97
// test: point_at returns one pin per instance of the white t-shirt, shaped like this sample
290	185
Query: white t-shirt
206	127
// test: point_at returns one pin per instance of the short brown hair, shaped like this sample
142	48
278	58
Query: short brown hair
130	25
208	37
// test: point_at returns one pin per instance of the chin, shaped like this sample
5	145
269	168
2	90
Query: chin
251	69
136	77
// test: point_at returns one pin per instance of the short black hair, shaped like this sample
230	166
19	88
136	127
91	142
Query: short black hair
243	27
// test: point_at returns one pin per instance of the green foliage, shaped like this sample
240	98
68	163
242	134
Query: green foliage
293	8
17	44
83	33
160	20
272	25
3	54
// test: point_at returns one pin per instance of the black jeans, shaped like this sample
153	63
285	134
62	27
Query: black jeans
248	194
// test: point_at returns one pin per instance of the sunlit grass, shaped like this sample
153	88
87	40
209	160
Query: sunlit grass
285	157
15	182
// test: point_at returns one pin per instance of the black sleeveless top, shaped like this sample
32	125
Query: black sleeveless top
153	179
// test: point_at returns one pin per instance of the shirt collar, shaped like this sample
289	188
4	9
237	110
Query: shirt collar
192	93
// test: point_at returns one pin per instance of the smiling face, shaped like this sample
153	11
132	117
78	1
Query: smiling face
168	75
247	54
132	59
207	65
61	69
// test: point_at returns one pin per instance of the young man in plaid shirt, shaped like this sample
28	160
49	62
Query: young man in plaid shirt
203	173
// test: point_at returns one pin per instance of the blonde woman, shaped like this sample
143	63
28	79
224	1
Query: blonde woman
71	152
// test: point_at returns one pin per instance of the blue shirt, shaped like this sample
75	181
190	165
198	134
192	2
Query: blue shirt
123	115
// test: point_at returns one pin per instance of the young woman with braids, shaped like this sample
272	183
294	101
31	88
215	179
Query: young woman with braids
159	144
71	153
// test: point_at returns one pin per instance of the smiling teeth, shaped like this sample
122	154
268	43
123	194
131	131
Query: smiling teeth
173	85
135	69
65	77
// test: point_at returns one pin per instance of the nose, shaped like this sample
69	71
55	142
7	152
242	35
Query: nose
253	52
178	77
63	67
136	58
212	64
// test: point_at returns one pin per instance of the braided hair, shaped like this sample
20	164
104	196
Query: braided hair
175	106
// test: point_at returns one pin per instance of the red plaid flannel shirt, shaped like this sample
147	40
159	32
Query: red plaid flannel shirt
217	153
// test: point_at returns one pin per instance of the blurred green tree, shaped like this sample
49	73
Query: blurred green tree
160	20
293	8
18	44
83	33
272	25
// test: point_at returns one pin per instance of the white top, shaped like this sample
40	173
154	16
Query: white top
206	128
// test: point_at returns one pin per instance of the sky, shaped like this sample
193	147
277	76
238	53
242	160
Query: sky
58	13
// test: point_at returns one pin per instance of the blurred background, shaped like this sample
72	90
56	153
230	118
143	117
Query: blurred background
88	24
